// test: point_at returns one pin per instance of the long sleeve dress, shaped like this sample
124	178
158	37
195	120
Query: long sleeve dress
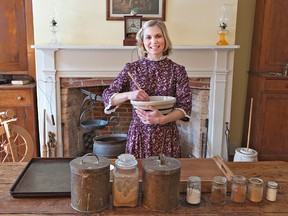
164	78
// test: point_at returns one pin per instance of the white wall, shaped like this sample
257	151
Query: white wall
190	22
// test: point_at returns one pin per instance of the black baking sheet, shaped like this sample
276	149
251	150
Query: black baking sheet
44	177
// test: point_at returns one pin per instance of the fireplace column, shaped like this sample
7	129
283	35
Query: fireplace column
47	95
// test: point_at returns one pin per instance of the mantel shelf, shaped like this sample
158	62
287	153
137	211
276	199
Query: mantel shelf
80	46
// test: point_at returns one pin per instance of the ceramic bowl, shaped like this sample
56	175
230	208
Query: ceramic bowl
164	104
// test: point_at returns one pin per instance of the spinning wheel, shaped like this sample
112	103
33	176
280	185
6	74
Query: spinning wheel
16	144
19	143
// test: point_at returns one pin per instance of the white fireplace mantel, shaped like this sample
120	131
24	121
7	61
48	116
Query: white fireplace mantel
54	62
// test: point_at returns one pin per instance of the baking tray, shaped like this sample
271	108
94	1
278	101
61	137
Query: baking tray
44	177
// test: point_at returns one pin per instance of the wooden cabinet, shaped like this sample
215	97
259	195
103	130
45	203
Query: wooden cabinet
269	125
22	100
17	61
16	38
270	36
267	84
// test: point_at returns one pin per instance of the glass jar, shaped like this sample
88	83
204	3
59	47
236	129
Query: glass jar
193	195
238	189
255	189
125	181
219	190
271	191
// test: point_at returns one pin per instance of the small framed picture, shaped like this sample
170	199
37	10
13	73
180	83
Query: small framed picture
148	9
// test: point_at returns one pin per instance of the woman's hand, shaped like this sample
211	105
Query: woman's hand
154	116
139	95
120	98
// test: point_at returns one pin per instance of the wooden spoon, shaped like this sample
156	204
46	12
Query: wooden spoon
138	86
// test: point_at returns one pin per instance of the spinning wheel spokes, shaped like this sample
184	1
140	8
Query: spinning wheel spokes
21	144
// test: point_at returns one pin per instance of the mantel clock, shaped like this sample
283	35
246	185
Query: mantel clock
132	25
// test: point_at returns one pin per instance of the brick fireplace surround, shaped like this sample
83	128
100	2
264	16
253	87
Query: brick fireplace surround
193	133
59	65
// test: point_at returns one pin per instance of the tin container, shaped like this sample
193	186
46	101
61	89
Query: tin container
90	183
161	183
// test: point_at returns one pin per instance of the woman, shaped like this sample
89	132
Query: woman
151	133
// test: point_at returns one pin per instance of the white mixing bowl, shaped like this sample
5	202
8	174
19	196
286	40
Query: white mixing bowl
165	104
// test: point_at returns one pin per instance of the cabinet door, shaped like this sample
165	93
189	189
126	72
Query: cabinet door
273	140
16	38
270	36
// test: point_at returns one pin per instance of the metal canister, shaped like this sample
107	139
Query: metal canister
161	183
90	183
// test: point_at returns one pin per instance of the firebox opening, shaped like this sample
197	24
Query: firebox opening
78	140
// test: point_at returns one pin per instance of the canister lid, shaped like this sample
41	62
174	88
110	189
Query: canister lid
272	184
126	161
160	164
90	162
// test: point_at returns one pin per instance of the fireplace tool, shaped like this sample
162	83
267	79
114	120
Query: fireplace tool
93	124
227	134
90	126
108	145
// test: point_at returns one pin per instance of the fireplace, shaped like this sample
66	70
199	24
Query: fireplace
192	134
70	62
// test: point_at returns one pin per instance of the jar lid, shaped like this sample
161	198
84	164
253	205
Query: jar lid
161	164
272	184
90	162
256	181
221	180
194	179
239	179
126	161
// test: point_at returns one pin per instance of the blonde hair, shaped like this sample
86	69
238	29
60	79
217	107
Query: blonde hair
139	37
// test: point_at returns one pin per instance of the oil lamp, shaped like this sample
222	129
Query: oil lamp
53	27
223	25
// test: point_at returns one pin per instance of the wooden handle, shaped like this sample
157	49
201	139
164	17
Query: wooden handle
130	75
44	147
223	167
249	126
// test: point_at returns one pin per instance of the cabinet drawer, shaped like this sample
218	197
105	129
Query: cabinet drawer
15	98
276	85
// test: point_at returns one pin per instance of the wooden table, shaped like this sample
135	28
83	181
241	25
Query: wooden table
268	171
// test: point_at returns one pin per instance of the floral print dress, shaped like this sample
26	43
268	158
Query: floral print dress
164	78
